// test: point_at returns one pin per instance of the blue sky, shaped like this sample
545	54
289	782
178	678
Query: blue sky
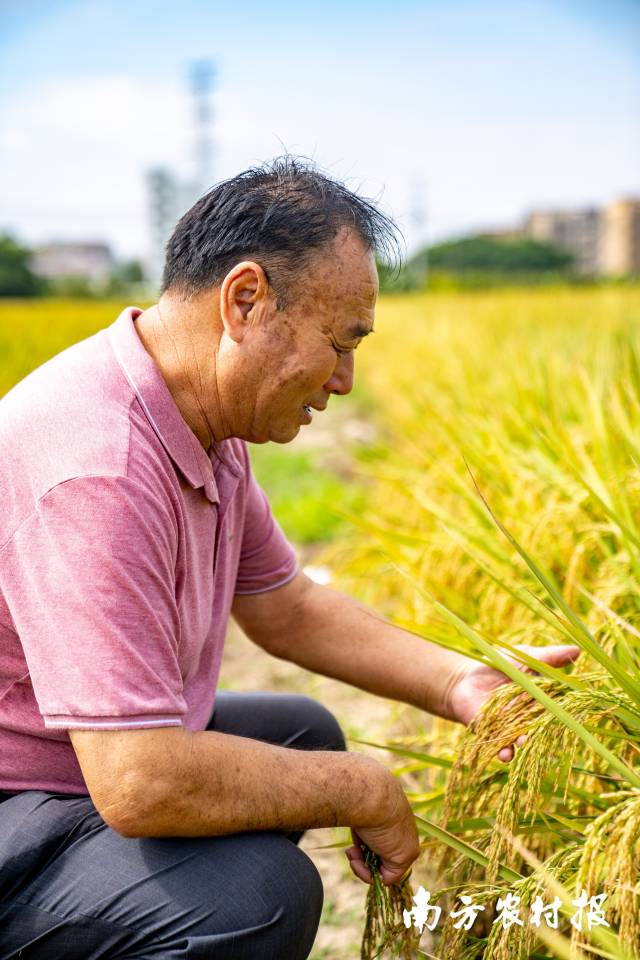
467	112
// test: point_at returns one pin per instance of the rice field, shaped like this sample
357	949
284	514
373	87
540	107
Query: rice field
502	508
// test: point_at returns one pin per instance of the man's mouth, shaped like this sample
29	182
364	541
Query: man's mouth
308	409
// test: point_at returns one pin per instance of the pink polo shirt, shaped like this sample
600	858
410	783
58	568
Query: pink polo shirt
122	544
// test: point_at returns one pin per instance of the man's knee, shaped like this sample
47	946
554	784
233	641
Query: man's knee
235	897
304	897
324	731
275	913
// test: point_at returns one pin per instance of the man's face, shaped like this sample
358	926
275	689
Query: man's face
304	353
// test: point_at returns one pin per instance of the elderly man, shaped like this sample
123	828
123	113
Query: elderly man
142	815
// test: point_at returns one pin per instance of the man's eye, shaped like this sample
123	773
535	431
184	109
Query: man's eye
341	353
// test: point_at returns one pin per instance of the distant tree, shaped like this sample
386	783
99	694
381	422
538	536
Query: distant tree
392	278
129	272
479	261
520	256
76	287
16	277
125	277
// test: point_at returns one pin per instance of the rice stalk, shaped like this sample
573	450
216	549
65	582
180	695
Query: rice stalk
611	857
385	932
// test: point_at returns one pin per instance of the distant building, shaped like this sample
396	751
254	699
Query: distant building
169	196
620	246
92	262
576	231
163	206
167	199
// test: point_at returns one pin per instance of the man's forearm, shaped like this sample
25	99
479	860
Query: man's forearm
210	784
334	635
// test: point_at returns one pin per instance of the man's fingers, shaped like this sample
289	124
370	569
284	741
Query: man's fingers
354	853
362	873
391	876
357	864
558	656
507	753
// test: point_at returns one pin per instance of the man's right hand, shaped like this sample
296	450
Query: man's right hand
394	839
170	782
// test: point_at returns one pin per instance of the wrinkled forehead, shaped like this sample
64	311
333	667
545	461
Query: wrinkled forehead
346	272
347	303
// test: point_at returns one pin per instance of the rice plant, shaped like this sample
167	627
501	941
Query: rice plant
503	510
385	927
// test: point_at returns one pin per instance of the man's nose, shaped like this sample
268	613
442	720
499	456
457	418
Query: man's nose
341	380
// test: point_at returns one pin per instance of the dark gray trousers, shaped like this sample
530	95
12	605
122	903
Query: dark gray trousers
71	888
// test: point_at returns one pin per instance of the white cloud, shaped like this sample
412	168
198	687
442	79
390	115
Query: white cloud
75	152
75	155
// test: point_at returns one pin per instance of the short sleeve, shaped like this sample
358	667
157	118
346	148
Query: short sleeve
89	582
267	559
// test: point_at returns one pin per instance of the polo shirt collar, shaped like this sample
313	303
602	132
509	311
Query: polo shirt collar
160	408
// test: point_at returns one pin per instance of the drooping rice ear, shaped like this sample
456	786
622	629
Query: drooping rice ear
385	929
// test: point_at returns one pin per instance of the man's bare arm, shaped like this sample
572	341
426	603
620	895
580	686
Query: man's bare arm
170	782
330	633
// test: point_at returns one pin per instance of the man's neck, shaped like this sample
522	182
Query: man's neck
171	353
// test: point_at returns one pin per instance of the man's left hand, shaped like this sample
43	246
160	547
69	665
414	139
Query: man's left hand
477	681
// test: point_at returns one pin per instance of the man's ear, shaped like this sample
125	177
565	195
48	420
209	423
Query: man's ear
244	290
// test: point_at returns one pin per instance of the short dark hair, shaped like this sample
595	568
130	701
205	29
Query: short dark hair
277	214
